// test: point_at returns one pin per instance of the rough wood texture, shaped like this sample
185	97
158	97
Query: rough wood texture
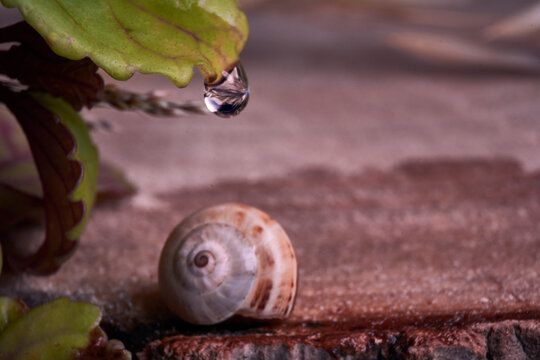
503	340
413	255
416	253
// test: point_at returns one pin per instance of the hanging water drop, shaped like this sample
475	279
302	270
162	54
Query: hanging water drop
230	95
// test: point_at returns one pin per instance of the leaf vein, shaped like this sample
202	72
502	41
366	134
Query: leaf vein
181	29
138	43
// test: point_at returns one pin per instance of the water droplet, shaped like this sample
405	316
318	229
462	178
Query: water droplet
230	95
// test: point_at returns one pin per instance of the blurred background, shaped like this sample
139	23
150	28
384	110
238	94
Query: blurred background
346	85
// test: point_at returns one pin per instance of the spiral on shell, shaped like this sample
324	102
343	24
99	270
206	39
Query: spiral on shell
225	260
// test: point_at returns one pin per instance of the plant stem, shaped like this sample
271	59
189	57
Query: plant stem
149	103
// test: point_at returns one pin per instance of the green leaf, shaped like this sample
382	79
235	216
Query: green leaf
66	161
55	330
82	152
167	37
10	310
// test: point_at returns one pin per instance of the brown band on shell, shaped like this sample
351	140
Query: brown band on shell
290	300
266	289
287	286
257	231
240	217
262	293
266	260
264	286
282	301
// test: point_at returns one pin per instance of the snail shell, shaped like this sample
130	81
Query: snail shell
225	260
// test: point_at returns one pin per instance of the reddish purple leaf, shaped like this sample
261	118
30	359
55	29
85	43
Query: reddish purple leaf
17	206
20	188
17	169
35	65
52	146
